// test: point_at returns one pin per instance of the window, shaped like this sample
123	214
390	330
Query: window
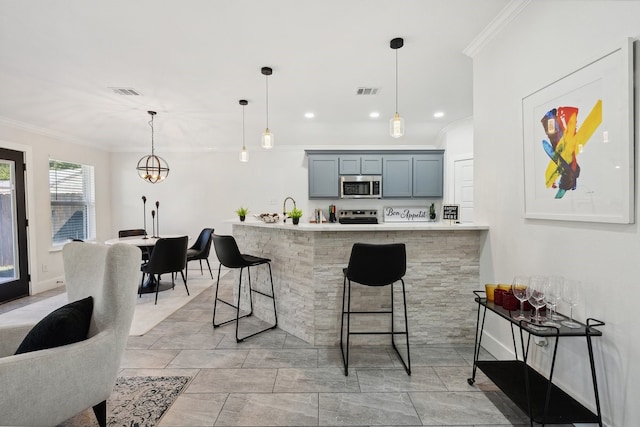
73	212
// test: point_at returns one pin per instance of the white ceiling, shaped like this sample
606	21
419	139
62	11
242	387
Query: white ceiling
192	60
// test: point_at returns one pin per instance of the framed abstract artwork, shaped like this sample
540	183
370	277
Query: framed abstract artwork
578	143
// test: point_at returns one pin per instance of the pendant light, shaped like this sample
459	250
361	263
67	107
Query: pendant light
396	124
267	136
152	168
244	154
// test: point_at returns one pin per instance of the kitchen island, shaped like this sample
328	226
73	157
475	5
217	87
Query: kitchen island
307	262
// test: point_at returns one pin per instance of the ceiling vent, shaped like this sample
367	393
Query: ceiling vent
367	91
125	91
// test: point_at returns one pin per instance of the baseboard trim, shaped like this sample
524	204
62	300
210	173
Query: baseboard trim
46	285
496	348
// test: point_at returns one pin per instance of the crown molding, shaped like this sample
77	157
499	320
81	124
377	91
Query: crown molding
440	137
502	19
59	136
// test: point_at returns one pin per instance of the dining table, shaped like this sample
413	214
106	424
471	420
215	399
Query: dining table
145	242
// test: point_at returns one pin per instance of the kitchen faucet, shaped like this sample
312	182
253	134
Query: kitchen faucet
284	207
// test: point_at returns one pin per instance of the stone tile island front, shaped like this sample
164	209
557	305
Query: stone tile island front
307	262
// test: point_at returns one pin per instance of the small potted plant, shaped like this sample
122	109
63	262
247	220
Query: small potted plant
295	215
242	213
432	212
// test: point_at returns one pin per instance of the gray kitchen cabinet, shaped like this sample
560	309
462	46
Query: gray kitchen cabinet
427	175
355	164
323	176
406	174
397	177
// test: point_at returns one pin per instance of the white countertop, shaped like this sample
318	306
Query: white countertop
388	226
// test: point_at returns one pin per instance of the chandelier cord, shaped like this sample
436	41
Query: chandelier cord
152	145
243	147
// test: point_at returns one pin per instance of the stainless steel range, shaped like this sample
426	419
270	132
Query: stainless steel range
358	216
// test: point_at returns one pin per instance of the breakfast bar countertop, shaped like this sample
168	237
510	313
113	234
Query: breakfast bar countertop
384	226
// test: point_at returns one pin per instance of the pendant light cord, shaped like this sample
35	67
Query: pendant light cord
267	85
243	147
396	80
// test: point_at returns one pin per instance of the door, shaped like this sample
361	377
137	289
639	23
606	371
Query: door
463	188
14	271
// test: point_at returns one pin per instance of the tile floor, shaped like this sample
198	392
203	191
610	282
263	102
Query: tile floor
276	379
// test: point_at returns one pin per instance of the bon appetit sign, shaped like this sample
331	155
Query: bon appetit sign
400	214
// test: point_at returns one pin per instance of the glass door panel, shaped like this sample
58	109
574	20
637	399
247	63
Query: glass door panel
14	272
8	223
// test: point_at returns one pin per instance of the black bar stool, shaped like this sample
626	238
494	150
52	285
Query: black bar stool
229	255
374	265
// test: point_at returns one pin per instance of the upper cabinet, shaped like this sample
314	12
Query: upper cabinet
354	164
427	175
406	174
412	175
397	178
323	176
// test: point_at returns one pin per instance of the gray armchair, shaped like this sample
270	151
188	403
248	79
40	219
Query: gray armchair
47	387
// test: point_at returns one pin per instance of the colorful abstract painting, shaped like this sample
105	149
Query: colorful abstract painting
578	143
565	142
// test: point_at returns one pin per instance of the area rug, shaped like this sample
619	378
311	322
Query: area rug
135	402
148	314
145	317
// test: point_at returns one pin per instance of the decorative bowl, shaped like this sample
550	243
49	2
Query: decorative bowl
268	217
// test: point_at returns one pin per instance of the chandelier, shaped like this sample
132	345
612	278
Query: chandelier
152	168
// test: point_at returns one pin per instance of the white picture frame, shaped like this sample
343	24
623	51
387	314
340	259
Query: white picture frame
582	172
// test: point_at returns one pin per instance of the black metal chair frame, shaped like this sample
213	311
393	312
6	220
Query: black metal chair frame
344	349
155	275
203	253
241	261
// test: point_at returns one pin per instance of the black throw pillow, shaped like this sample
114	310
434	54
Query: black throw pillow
66	325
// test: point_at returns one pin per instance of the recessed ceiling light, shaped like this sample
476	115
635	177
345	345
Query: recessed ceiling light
438	114
309	115
374	115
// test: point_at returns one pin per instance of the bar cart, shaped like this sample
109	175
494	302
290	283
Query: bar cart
533	392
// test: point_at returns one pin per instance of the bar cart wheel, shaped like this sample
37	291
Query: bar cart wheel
470	381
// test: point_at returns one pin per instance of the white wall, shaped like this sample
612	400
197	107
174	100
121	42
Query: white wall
205	188
39	148
546	41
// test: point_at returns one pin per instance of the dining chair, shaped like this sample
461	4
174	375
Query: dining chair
200	250
169	256
374	265
133	232
229	255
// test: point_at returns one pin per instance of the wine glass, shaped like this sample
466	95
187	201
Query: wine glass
535	295
552	294
571	295
519	289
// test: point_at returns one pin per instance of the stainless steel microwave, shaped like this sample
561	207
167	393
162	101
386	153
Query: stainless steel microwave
361	187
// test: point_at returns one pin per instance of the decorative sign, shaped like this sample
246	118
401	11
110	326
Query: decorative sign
450	212
400	214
